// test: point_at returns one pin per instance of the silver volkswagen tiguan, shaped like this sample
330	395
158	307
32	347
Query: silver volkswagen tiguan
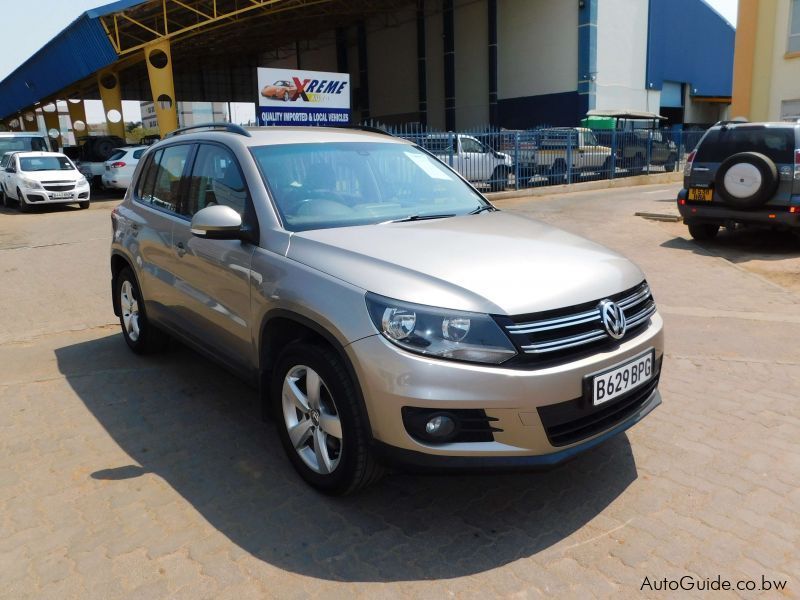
386	311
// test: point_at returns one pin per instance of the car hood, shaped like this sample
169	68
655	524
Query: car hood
52	175
491	262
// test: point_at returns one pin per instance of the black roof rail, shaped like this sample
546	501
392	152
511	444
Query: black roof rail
370	129
735	121
231	127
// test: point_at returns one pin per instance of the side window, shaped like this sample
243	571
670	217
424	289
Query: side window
144	188
137	154
3	162
216	179
470	145
168	177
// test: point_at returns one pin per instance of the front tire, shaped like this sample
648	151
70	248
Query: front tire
83	205
21	204
703	231
141	336
320	421
501	179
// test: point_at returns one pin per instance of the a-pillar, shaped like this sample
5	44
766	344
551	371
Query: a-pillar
51	122
159	71
111	95
77	115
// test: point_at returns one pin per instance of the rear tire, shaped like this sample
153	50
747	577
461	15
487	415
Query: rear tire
141	336
314	396
703	231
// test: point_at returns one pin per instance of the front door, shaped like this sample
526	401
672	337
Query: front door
213	276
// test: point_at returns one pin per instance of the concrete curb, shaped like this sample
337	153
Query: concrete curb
587	186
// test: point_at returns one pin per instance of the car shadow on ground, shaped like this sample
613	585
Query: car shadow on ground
184	419
743	245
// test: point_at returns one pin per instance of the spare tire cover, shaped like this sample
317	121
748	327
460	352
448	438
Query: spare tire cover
746	180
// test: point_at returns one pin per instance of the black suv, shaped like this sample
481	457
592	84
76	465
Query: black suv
742	173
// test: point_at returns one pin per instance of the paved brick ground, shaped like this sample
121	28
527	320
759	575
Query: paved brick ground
123	477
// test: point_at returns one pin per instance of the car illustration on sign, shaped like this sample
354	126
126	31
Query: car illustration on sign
280	90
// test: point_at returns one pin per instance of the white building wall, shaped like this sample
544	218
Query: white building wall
538	47
472	63
784	85
622	56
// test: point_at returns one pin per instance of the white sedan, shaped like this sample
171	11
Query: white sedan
120	166
32	178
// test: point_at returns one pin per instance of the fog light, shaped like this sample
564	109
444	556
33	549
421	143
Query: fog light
440	426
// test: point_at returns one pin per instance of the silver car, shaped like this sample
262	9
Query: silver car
384	309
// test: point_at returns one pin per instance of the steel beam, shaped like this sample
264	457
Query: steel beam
111	95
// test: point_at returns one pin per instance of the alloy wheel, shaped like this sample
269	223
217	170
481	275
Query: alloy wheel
130	310
312	420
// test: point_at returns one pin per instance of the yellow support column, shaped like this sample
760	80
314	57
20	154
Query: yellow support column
77	116
51	122
111	95
28	119
159	70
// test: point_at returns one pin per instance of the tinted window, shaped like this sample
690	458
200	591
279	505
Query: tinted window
147	178
168	177
137	154
24	143
439	145
216	179
45	163
355	183
719	144
116	155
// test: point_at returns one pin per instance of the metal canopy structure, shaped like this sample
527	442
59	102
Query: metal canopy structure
115	37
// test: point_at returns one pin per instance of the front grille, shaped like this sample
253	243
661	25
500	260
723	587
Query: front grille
564	334
58	186
575	420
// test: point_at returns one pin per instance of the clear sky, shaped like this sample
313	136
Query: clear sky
19	39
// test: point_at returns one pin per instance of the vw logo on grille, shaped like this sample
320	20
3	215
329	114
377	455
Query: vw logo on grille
613	319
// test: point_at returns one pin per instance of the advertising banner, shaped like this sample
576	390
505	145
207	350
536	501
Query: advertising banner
295	97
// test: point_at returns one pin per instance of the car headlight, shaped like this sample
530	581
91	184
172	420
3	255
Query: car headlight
439	332
82	181
31	184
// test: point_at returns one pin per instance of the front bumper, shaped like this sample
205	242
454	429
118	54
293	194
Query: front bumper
717	214
46	197
391	379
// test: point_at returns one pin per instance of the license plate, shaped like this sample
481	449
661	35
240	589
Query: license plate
701	194
622	379
57	195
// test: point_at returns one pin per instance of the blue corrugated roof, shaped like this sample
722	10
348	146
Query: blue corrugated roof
80	50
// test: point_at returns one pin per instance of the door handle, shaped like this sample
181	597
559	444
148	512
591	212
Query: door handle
180	248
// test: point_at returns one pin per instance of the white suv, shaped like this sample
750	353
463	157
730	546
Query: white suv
31	178
119	167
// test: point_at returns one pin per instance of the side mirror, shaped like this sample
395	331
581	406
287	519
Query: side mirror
217	223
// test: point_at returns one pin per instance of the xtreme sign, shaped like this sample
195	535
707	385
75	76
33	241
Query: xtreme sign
294	97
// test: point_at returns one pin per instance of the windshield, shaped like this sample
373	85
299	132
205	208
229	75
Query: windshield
45	163
317	186
20	143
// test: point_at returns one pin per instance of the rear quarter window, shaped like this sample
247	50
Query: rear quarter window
719	144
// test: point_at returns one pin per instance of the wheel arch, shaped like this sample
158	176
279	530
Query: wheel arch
281	327
118	263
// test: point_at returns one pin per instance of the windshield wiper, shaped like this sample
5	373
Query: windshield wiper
419	218
481	209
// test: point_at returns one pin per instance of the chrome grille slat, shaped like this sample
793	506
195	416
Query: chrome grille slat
537	337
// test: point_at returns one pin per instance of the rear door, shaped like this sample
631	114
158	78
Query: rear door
156	198
212	277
